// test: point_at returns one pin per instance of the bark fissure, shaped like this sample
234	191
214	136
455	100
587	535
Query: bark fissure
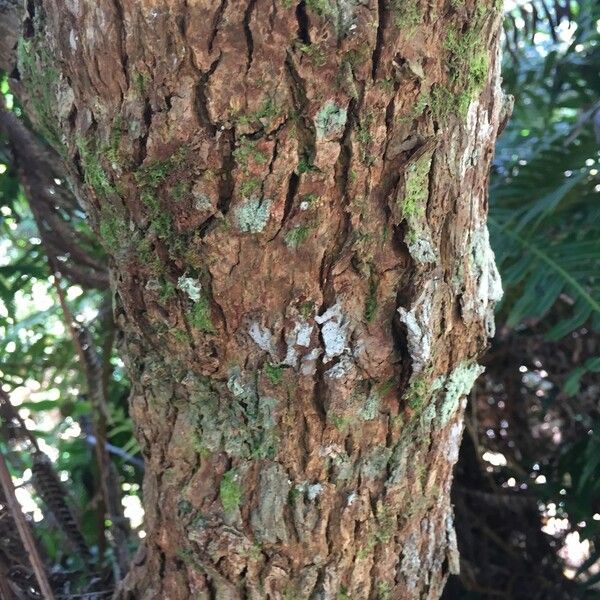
201	102
248	32
381	24
303	23
216	23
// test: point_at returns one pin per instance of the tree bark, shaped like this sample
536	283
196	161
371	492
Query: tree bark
294	200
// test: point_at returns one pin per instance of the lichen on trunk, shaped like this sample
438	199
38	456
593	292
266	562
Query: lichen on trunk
294	200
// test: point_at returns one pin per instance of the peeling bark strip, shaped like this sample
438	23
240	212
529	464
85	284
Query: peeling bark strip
294	198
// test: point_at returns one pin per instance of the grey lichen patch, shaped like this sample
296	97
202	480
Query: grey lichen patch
341	369
313	491
342	464
262	337
252	215
267	519
201	201
452	551
308	366
413	208
410	565
334	331
370	408
453	442
233	418
297	340
375	463
304	500
486	291
419	329
399	462
330	120
190	286
457	385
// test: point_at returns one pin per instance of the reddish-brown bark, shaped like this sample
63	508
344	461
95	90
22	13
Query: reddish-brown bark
294	198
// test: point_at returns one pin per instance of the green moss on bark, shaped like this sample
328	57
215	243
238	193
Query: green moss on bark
230	492
200	317
37	70
94	173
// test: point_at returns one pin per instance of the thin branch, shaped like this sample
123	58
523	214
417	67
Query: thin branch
109	484
126	456
24	531
14	414
38	169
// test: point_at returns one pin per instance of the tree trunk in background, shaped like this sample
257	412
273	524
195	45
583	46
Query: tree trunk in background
294	200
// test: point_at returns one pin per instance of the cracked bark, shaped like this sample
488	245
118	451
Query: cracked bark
299	404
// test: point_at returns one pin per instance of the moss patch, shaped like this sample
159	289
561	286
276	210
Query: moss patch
38	71
153	174
93	172
230	492
418	393
295	236
364	138
467	65
200	316
250	186
149	178
247	152
273	373
180	190
266	113
140	82
314	52
406	15
307	309
113	229
417	188
414	203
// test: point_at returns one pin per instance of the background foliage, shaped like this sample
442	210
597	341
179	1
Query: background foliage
527	488
527	492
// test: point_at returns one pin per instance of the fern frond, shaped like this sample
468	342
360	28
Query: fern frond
51	490
548	271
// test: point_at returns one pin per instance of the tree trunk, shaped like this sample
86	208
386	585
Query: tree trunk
294	201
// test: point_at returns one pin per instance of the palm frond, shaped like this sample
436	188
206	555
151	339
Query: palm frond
545	190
